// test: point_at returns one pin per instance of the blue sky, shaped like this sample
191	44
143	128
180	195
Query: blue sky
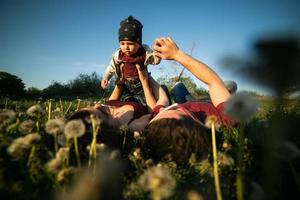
54	40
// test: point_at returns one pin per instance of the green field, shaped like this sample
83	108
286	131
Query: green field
258	159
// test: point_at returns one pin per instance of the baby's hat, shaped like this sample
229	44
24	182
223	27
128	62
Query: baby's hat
130	30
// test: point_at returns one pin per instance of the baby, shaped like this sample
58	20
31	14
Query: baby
124	60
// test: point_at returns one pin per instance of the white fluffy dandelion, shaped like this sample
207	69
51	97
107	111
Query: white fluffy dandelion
7	116
55	126
26	126
158	181
74	128
241	106
21	144
35	111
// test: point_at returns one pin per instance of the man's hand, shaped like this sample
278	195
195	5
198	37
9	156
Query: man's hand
143	74
166	48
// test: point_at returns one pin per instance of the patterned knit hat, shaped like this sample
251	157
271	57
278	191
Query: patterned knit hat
130	30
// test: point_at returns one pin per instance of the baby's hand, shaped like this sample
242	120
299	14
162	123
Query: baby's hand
104	83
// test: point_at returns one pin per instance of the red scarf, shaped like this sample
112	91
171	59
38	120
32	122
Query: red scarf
129	68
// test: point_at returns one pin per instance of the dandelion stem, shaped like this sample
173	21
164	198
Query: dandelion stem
55	143
6	102
78	105
61	105
215	163
77	151
68	146
68	107
239	177
31	155
49	110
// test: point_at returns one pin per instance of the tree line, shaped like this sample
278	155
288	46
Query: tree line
83	86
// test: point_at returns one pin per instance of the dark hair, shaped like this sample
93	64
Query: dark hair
177	139
107	134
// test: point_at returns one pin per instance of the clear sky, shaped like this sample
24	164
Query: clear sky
54	40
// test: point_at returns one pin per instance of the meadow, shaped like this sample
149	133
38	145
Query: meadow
42	156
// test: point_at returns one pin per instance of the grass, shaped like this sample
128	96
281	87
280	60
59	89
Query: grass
263	155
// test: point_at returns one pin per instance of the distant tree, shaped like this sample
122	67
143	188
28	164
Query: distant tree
187	81
33	93
56	90
11	85
85	85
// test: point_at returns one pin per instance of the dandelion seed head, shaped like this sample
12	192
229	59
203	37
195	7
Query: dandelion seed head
193	195
241	106
211	120
54	165
136	135
57	114
225	159
66	174
35	111
62	153
26	126
96	120
137	153
7	116
115	155
74	128
55	126
22	144
158	181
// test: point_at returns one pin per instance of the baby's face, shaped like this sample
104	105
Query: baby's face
129	48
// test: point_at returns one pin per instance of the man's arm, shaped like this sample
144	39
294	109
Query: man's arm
166	48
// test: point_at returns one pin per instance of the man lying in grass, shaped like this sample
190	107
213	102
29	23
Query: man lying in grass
177	131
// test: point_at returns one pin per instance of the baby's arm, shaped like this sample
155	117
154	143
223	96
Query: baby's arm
151	58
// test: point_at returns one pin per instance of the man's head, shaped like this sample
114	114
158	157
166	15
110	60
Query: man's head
177	139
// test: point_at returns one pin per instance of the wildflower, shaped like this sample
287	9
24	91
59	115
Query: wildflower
26	126
137	153
57	113
7	116
206	167
66	174
55	126
35	111
115	155
74	128
193	195
63	153
136	135
103	183
54	165
158	181
21	144
226	145
212	120
224	159
241	106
